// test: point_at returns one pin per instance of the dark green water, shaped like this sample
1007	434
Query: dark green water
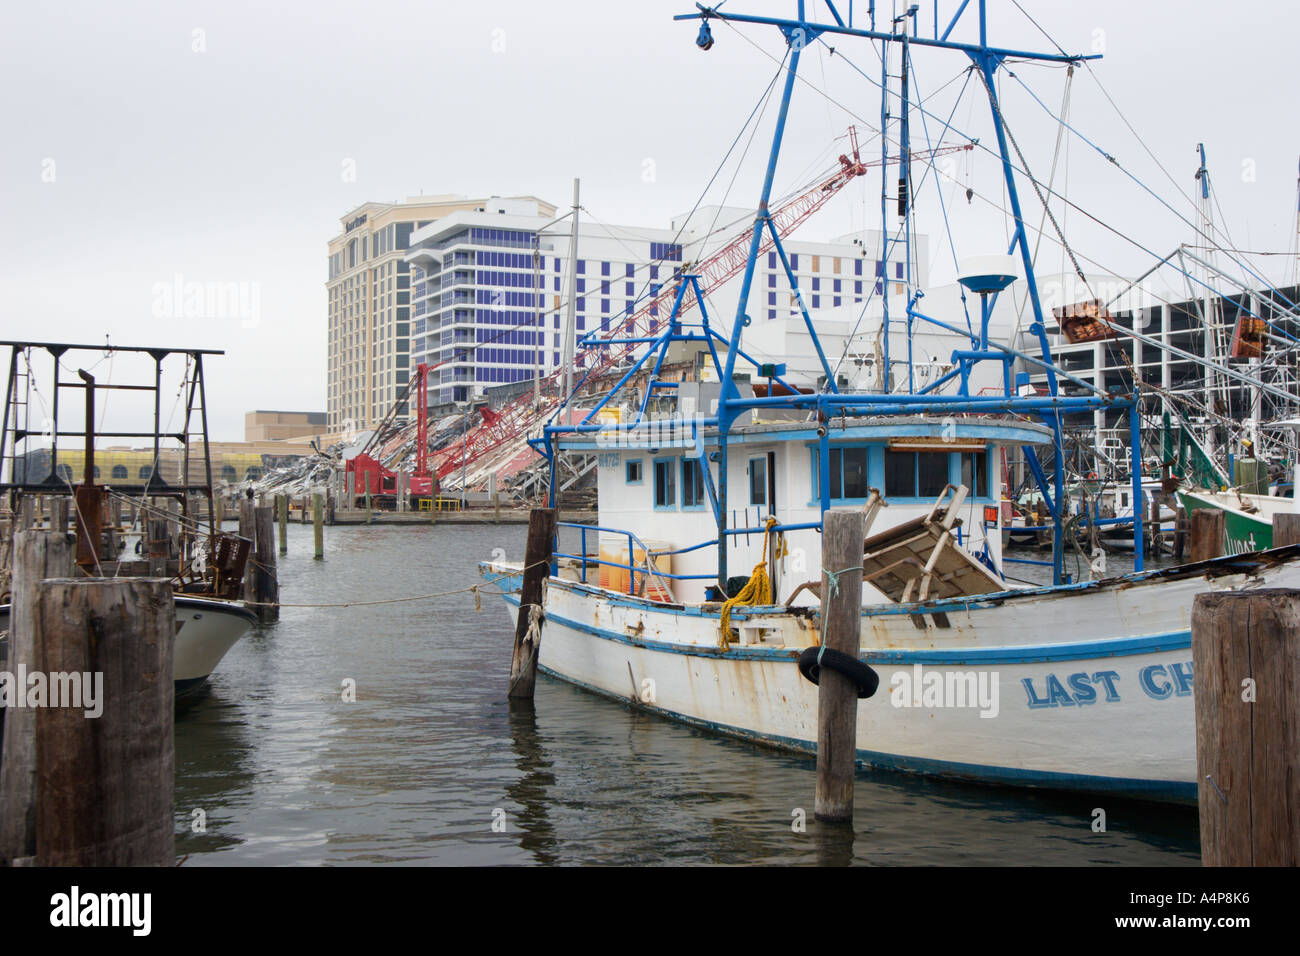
430	755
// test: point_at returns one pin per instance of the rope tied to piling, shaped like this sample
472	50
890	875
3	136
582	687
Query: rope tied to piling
833	579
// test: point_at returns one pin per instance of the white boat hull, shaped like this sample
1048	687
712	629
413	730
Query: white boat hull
206	628
1094	682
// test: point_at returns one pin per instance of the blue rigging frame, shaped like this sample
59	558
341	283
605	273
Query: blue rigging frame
798	33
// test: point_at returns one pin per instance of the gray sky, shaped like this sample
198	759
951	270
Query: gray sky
137	150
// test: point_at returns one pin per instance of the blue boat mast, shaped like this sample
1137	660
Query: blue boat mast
799	32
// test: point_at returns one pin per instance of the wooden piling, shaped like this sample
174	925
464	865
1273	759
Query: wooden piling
266	588
158	547
1205	534
1286	529
843	530
37	556
1246	645
104	782
318	524
59	516
282	507
1180	534
537	568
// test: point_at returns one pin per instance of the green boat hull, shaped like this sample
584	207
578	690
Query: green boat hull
1243	532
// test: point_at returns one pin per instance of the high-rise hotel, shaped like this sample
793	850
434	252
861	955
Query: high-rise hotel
478	289
369	293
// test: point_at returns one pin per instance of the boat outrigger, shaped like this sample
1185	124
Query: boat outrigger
1074	685
207	567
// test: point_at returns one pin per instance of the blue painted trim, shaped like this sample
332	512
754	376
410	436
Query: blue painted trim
672	470
1008	433
701	491
1012	654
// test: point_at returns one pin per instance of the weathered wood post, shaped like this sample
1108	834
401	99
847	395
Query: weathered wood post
1205	534
537	568
174	528
318	524
266	588
219	510
1246	645
158	549
59	516
1180	534
105	766
282	506
248	529
37	556
1286	529
843	530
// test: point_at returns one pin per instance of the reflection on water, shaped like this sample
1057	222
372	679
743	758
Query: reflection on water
432	764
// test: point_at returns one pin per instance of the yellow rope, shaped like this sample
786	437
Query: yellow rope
756	592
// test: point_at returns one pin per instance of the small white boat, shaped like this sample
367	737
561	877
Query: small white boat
206	628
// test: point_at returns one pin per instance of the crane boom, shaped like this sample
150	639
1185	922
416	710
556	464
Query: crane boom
520	415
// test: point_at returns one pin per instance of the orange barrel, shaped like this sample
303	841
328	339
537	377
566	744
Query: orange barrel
613	548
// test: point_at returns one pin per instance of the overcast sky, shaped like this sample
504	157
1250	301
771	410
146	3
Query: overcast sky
213	141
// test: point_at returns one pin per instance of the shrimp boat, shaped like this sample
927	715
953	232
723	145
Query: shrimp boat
1074	685
1247	517
207	567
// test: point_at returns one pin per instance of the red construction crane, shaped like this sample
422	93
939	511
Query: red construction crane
516	418
370	474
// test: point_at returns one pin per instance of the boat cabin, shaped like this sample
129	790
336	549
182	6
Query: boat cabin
655	498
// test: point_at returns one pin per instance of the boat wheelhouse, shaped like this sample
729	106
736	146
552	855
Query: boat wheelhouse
653	488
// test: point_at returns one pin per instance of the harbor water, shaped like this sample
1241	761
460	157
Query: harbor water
381	734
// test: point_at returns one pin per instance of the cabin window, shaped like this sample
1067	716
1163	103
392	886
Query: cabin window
915	474
848	473
855	472
692	483
900	474
119	471
146	471
227	473
975	473
633	473
758	481
665	484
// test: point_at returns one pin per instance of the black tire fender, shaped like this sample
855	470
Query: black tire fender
863	676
